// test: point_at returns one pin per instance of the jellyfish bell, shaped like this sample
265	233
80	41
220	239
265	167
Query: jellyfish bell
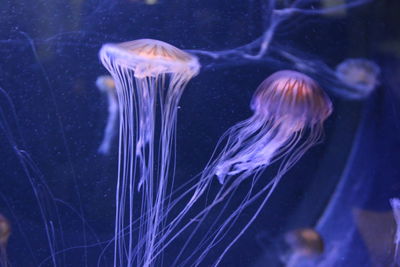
151	63
285	105
150	58
297	247
301	247
305	242
290	95
359	73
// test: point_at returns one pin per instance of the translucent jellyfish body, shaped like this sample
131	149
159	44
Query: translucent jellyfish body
359	73
289	111
150	77
285	105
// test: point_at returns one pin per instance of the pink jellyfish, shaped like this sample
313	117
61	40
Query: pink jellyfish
285	106
150	77
289	111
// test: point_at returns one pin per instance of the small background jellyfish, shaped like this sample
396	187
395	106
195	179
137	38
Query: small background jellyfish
359	73
150	78
106	85
304	246
298	247
5	232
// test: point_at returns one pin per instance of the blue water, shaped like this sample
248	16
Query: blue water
48	68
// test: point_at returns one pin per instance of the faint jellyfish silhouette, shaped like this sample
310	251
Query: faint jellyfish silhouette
359	73
331	10
302	247
395	203
5	232
289	111
106	85
150	77
299	247
305	242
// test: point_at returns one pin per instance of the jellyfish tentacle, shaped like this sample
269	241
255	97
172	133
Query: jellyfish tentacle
254	153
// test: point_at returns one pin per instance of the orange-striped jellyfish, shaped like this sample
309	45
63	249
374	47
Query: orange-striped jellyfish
285	106
150	77
289	111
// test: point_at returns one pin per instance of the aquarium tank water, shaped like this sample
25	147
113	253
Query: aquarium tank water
163	133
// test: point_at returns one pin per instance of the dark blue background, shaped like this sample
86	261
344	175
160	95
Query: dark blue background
48	66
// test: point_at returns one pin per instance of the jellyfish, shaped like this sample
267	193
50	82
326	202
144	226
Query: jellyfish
305	242
150	77
5	232
289	110
303	247
298	247
106	85
284	105
361	74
